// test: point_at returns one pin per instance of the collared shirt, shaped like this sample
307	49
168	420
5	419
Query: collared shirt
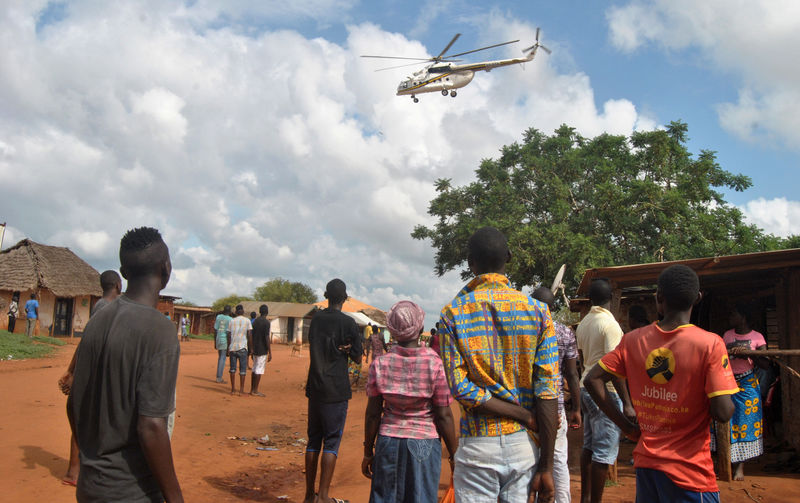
238	329
497	342
567	350
412	382
598	333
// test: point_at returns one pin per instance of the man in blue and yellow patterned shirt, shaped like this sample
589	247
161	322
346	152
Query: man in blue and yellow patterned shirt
500	355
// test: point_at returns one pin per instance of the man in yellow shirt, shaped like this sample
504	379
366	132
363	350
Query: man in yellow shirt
599	333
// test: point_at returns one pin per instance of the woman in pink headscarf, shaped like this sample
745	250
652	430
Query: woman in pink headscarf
408	412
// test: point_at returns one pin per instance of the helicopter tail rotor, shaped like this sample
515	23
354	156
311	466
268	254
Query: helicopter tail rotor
537	45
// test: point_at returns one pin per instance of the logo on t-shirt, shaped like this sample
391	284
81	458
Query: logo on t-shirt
660	365
725	361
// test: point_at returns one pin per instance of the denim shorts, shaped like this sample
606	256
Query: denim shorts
492	469
241	357
600	434
654	486
406	470
325	426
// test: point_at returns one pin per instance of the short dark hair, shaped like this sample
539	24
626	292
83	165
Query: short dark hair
263	309
487	250
679	286
33	295
239	309
109	280
600	291
139	253
433	331
336	291
544	294
746	309
227	308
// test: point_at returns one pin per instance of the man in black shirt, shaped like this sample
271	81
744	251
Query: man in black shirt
260	348
332	336
124	385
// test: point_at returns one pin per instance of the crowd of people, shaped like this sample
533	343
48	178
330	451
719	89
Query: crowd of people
495	350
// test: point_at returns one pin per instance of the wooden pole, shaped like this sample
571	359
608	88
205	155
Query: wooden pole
723	431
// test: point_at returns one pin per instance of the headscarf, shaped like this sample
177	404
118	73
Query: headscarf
405	320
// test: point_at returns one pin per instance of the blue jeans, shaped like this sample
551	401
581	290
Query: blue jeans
492	469
221	363
654	486
406	470
600	434
241	357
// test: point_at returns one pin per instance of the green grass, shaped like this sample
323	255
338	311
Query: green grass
19	347
205	337
50	340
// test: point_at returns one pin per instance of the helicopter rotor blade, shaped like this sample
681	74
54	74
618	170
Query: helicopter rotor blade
401	66
396	57
439	57
481	49
537	34
545	49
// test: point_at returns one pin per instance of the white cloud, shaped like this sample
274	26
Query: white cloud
751	40
777	216
256	153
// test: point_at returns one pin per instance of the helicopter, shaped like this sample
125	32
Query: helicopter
445	76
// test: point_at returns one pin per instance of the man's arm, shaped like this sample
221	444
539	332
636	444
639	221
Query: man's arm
622	390
721	408
445	426
268	338
570	372
372	422
65	382
595	383
155	444
356	351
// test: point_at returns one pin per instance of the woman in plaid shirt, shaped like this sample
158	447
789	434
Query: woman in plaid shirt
408	412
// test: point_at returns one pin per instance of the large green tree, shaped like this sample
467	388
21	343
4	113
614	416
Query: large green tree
594	202
230	300
282	290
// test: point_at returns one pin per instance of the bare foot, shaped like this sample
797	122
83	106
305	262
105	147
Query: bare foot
739	474
257	393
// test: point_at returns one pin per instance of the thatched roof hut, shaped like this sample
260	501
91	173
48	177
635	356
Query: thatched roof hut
30	266
65	285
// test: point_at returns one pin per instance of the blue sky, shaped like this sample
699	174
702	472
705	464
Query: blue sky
260	143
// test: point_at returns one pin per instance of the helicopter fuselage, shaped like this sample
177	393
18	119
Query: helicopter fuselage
446	77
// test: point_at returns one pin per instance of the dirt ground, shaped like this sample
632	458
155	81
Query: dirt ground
212	466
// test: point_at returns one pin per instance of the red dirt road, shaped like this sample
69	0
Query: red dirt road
34	437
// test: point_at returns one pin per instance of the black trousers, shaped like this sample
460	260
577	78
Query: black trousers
12	322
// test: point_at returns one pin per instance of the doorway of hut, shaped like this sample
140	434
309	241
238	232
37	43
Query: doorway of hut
290	330
62	318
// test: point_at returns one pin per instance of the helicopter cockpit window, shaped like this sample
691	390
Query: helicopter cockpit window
438	69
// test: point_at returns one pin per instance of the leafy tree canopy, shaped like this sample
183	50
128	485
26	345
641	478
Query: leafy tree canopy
230	300
282	290
187	303
594	202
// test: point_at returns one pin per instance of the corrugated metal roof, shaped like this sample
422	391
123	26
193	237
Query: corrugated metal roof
642	274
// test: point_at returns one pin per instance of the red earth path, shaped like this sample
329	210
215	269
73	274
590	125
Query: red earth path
211	466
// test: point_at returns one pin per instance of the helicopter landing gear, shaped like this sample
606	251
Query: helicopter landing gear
444	92
416	100
453	94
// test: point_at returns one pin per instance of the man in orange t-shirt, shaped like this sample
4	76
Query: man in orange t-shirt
679	378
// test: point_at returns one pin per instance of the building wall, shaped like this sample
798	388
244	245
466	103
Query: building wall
81	307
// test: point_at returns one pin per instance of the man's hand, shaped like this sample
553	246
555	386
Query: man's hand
269	356
366	466
574	419
530	421
630	414
543	487
345	348
65	382
633	432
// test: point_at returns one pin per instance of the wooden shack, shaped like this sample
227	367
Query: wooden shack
769	280
65	285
